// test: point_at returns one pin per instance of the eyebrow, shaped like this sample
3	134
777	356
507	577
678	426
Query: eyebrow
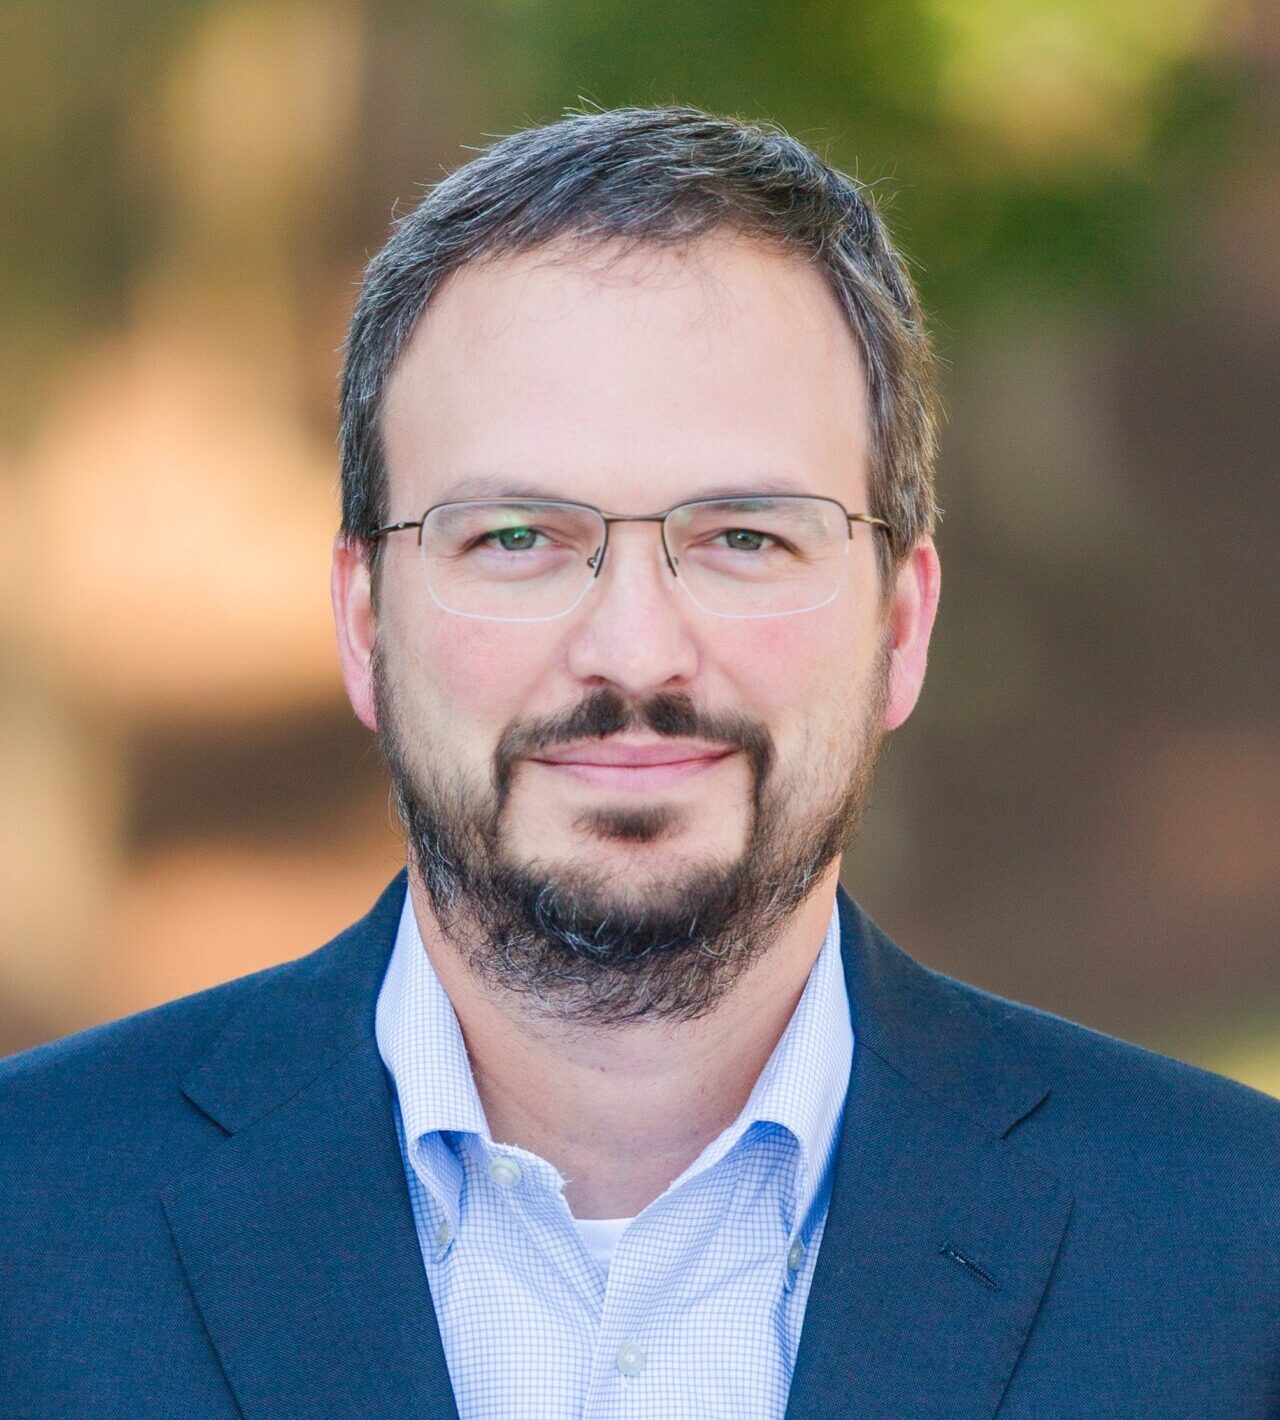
493	486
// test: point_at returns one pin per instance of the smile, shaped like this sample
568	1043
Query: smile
633	767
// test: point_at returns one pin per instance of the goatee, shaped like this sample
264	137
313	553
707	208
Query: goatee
565	938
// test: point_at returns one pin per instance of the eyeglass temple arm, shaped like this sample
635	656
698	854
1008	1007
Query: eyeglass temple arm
394	527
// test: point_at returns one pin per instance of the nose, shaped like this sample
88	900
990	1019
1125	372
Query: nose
632	629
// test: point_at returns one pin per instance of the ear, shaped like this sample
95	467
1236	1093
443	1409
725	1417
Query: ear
353	618
909	624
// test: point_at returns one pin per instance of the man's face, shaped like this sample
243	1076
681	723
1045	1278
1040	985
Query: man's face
659	377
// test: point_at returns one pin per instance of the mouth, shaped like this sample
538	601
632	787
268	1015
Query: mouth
634	765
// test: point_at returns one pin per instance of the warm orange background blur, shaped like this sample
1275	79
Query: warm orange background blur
1083	812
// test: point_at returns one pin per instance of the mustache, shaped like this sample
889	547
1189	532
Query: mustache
606	712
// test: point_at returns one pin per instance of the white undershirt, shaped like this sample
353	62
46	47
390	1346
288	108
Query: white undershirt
600	1235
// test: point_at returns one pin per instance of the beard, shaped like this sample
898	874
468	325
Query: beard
565	938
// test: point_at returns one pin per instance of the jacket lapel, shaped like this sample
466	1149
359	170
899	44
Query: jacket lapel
941	1236
295	1233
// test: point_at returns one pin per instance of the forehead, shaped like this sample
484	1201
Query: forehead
629	378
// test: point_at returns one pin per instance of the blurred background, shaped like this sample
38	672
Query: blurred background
1083	812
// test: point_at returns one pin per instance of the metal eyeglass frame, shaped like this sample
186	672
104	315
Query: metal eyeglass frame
597	560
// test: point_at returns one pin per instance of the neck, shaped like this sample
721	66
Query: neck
623	1111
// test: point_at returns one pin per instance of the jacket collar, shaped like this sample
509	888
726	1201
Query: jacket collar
299	1246
944	1037
299	1022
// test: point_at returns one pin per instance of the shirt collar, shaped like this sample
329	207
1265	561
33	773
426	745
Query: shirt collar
801	1088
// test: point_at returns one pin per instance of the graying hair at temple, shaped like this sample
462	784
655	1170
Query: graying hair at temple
664	176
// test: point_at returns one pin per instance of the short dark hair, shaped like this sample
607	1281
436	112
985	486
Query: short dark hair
661	175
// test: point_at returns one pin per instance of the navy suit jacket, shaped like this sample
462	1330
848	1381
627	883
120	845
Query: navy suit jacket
203	1213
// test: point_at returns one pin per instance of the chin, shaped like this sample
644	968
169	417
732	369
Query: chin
618	885
633	870
641	832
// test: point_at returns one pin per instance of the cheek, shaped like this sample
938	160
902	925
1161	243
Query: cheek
783	665
804	677
477	674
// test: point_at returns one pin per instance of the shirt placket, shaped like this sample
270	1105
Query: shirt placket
637	1353
531	1190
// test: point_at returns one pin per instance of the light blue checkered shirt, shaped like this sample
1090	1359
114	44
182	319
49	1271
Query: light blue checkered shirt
698	1314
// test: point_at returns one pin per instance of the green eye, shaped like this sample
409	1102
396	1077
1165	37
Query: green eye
744	540
516	539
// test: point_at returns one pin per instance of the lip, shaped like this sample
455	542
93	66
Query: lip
618	764
634	753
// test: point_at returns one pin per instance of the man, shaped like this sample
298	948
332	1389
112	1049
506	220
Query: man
616	1106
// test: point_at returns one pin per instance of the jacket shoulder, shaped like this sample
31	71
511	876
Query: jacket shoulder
1088	1068
135	1084
1130	1130
1116	1123
124	1072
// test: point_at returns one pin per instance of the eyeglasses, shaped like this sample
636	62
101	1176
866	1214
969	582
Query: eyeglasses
516	559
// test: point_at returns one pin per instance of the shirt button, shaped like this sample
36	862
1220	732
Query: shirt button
631	1358
796	1256
444	1235
504	1172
